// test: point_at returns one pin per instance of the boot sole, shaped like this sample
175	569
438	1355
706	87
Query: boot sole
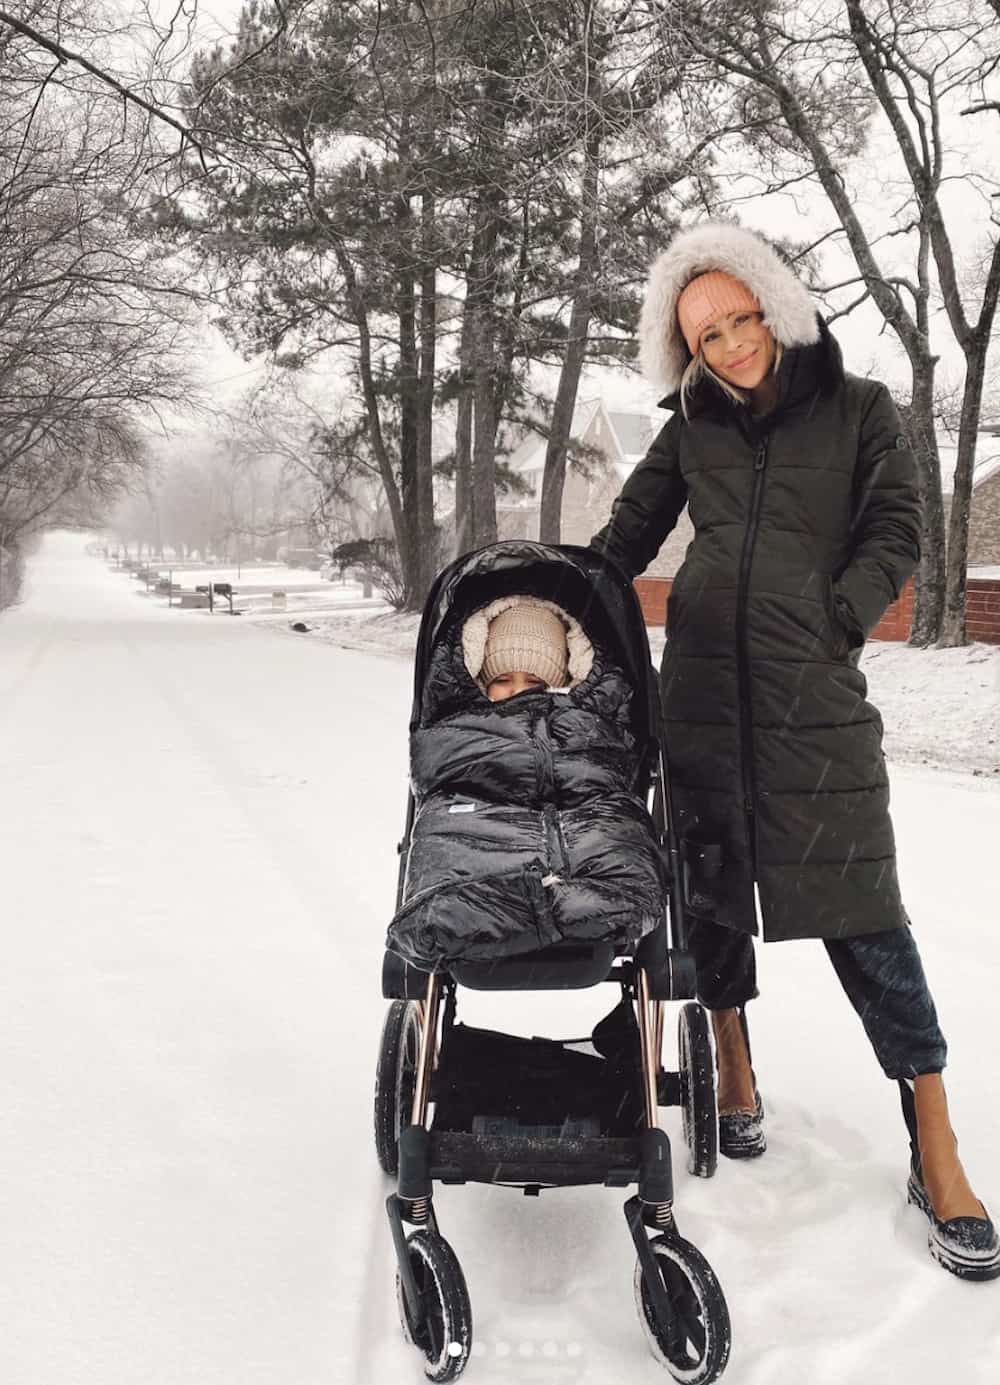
961	1262
752	1143
746	1149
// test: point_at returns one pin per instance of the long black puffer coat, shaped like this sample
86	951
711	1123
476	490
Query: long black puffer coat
806	527
528	830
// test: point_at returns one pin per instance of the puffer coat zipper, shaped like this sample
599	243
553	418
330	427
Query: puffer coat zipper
744	681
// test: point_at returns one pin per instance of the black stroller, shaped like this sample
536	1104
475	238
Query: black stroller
455	1104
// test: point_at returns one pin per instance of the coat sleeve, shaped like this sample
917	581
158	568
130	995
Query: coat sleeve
648	506
885	541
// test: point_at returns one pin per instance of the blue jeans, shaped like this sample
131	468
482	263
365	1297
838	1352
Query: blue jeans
881	973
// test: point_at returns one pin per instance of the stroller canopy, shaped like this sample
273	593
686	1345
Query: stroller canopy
584	583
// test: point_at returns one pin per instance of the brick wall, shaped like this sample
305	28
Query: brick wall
895	624
652	593
982	610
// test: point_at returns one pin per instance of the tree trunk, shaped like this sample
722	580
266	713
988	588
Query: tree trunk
508	334
929	595
554	473
480	298
427	550
464	532
953	623
484	441
369	393
463	462
977	346
409	467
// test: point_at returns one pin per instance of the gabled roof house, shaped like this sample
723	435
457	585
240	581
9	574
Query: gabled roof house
616	440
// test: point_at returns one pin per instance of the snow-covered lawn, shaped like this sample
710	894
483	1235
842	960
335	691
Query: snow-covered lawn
197	863
275	575
302	592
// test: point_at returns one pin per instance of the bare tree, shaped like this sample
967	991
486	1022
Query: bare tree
92	320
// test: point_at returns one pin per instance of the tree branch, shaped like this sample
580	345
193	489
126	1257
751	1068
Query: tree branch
66	56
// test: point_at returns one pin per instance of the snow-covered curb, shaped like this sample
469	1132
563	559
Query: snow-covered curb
940	707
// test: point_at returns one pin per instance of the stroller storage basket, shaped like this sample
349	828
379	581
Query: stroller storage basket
516	1110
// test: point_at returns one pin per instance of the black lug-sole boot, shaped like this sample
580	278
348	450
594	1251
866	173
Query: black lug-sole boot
968	1247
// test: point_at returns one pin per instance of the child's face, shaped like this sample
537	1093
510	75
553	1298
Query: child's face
510	684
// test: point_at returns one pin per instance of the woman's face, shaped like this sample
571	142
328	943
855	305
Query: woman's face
739	349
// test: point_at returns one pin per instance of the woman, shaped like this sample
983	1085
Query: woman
802	492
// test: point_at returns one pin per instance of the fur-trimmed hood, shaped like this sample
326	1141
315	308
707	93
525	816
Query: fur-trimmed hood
788	309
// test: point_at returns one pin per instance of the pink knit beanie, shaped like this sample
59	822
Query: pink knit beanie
708	297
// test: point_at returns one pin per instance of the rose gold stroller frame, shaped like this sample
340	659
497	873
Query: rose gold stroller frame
650	1020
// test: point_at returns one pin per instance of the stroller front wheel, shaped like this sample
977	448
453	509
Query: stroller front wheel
395	1079
693	1341
445	1333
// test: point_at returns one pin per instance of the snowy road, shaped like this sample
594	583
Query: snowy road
196	867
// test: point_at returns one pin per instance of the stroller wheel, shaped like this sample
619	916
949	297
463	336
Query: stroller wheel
395	1078
445	1335
699	1112
693	1343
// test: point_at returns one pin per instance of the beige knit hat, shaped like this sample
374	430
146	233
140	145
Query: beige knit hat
527	638
710	296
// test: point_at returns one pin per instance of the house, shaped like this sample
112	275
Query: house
611	442
614	440
984	513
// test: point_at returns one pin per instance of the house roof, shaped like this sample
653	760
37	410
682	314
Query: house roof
631	435
634	432
986	466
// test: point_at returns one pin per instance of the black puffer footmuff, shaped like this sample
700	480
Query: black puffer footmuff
528	830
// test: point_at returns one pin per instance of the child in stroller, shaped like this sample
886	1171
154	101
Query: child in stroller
531	862
530	828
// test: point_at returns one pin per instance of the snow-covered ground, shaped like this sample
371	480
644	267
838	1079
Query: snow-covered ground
197	863
276	575
302	592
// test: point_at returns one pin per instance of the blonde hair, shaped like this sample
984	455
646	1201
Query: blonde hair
697	368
